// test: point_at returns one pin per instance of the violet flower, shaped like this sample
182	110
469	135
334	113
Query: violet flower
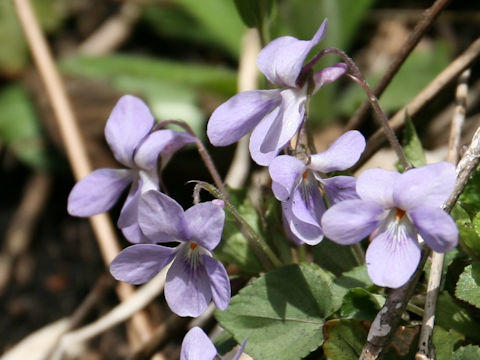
296	185
275	115
197	345
128	133
195	277
396	209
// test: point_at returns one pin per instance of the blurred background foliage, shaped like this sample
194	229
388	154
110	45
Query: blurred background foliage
181	57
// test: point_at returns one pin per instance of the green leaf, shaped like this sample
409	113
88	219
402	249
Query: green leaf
171	21
253	12
412	146
345	339
452	316
13	48
234	247
355	278
470	197
445	342
215	79
470	352
469	238
224	342
468	285
334	257
360	304
220	18
282	313
19	128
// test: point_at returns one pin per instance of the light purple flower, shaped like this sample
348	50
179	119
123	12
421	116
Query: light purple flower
296	185
195	277
275	115
197	345
396	208
128	133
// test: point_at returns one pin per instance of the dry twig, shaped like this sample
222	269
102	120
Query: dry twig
113	32
450	73
73	143
424	24
21	228
120	313
425	349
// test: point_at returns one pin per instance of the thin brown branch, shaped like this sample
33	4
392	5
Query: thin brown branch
450	73
72	140
425	349
356	75
423	25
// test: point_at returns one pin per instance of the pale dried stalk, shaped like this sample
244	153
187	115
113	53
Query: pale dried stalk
72	141
113	32
426	350
247	80
122	312
451	72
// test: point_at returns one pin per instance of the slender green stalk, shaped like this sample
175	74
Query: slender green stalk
256	241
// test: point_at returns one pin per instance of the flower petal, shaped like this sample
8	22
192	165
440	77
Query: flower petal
341	155
289	119
238	115
282	59
139	263
98	192
129	122
162	143
196	345
302	214
240	350
350	221
328	75
134	234
161	218
187	290
428	185
205	224
258	136
285	171
393	255
219	282
436	227
339	188
129	212
377	185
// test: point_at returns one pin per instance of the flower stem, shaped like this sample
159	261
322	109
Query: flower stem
356	75
255	240
358	253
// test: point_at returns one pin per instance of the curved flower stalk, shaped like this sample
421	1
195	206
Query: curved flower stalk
396	209
295	184
197	345
128	133
195	277
274	115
